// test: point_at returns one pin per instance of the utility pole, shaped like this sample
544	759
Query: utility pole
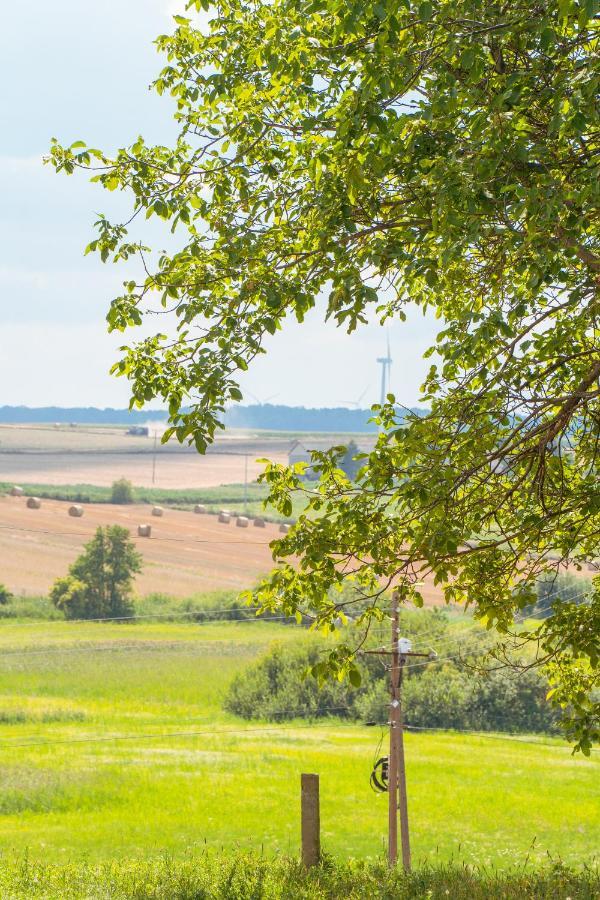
402	796
395	728
400	651
154	458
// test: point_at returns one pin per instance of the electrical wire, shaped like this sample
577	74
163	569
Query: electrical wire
82	534
509	736
172	616
169	734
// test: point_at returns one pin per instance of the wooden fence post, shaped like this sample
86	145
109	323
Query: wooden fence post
311	820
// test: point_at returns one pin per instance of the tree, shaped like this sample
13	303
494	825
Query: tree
99	582
121	491
5	595
439	153
349	464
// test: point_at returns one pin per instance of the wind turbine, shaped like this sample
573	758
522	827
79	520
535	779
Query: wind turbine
260	402
386	365
355	403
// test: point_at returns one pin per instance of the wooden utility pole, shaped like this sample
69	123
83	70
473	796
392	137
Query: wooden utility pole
154	458
402	796
311	820
395	726
399	652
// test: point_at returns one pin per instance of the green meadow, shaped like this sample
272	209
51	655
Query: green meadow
114	744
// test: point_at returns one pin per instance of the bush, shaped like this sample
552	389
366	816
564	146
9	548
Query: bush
121	491
277	687
450	698
30	608
5	595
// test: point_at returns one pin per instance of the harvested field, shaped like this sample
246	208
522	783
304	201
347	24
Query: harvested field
173	470
47	454
186	554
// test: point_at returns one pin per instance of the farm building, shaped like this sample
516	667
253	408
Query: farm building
298	453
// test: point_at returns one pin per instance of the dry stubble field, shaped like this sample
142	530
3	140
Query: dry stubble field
46	454
186	554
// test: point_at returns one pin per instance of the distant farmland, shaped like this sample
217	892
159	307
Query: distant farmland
47	454
87	455
187	553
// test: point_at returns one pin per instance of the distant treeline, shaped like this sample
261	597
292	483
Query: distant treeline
265	417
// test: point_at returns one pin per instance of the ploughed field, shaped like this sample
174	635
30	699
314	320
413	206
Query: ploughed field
186	554
114	744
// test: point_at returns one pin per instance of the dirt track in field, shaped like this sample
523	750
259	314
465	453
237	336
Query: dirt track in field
186	554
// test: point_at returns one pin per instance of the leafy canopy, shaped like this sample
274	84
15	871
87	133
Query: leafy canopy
381	153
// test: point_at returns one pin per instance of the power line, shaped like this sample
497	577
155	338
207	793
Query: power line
81	534
169	734
509	736
172	615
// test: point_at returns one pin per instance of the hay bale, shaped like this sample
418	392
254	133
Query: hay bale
242	522
224	517
157	511
259	522
144	531
199	509
16	491
76	511
284	529
33	502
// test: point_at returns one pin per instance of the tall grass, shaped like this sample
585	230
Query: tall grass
235	876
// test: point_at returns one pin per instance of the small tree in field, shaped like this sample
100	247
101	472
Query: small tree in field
121	491
99	582
5	595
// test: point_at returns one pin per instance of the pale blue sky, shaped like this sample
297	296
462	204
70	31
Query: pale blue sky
75	70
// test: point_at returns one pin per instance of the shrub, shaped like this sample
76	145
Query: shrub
121	491
24	607
277	686
5	595
450	698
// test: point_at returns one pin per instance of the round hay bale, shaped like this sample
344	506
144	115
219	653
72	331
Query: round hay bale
144	531
16	491
157	511
33	502
76	511
259	522
224	517
242	522
284	529
199	509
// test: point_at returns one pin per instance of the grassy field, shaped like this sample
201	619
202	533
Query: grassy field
114	745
